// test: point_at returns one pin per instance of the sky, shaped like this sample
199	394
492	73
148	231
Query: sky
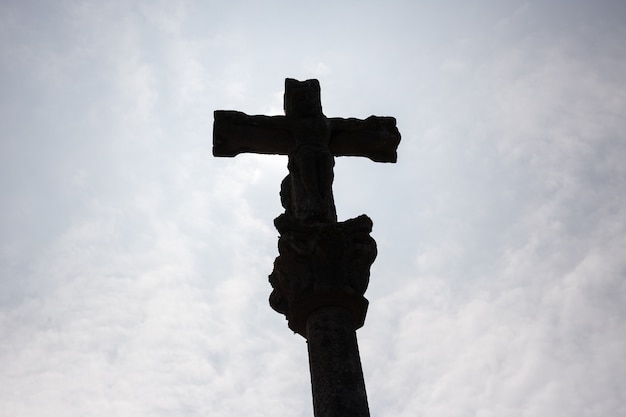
134	264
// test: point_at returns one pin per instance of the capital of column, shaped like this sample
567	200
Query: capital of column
321	265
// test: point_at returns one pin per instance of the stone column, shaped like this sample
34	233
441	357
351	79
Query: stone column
336	373
319	279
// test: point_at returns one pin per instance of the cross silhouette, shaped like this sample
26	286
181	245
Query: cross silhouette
311	141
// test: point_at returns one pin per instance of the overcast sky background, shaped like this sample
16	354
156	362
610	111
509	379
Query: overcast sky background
133	264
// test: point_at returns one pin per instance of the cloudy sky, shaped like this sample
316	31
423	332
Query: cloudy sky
133	264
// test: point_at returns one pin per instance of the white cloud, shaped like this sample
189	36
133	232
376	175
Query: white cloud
134	265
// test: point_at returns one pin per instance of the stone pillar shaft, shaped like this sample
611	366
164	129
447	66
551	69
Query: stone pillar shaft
336	374
319	280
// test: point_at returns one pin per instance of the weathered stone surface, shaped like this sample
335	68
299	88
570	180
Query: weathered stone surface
311	140
336	373
319	265
234	132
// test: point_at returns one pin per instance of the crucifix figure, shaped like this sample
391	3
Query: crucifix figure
322	270
311	140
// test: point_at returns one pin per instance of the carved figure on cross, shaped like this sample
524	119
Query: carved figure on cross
311	141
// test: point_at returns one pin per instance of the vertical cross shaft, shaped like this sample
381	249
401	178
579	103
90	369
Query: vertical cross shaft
335	365
323	266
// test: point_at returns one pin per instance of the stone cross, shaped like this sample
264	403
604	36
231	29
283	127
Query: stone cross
311	140
322	270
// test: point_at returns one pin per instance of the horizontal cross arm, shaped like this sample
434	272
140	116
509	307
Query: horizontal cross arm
235	132
376	138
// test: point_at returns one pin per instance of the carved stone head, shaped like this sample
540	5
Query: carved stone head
302	98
